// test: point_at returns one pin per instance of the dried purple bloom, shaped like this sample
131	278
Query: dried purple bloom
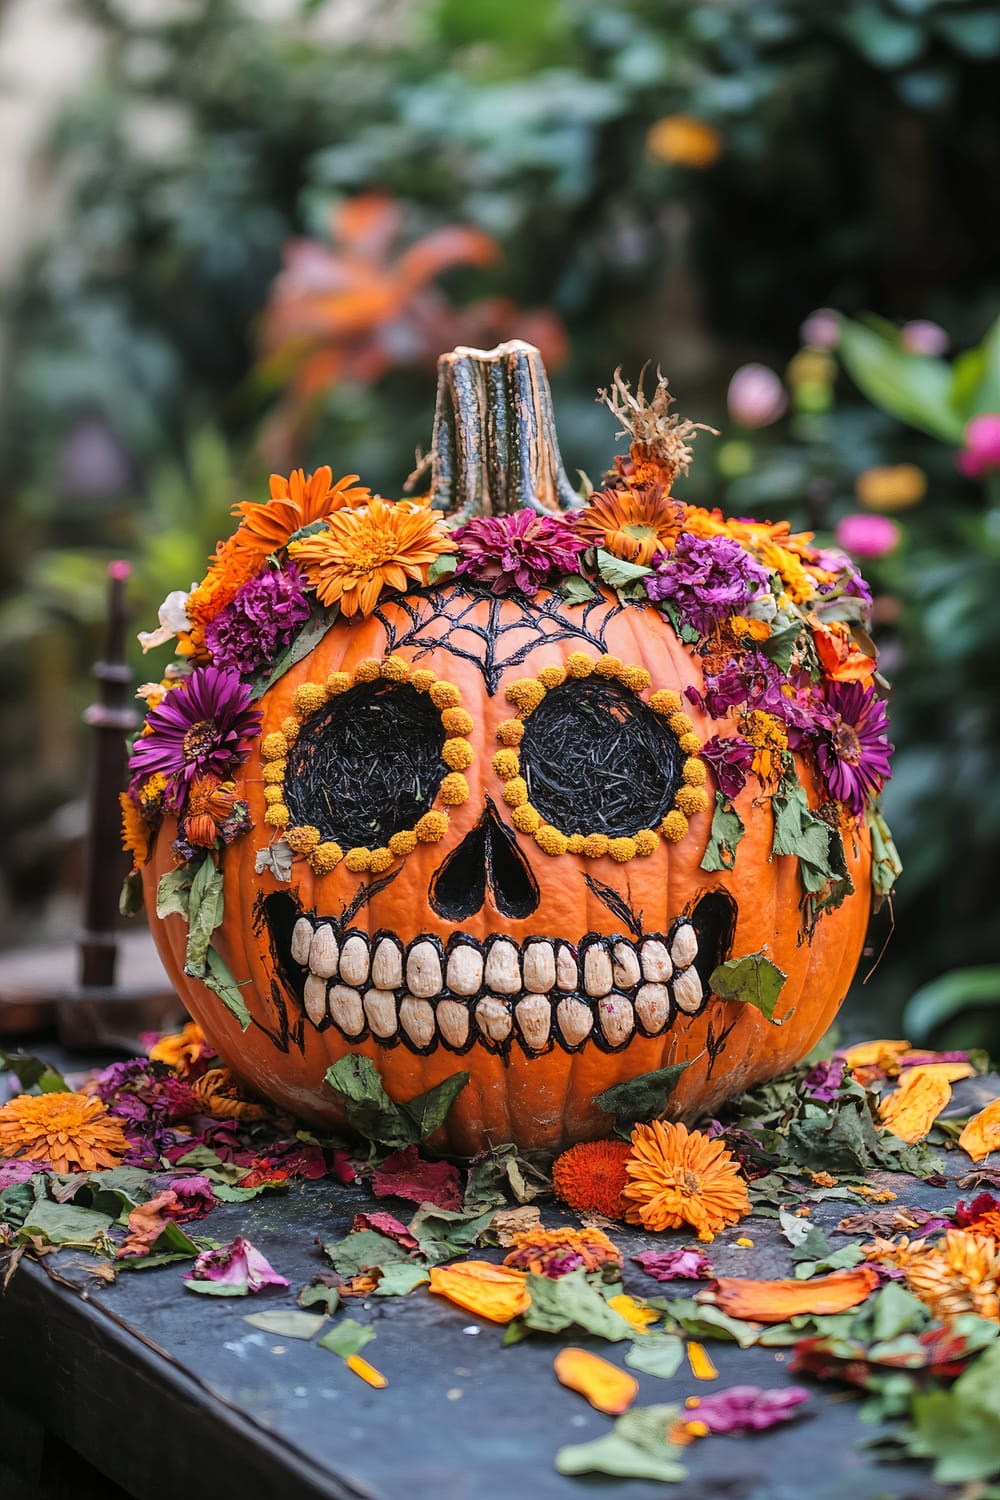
708	578
823	1080
263	617
521	551
674	1265
201	728
730	759
195	1197
13	1173
853	754
232	1271
747	1408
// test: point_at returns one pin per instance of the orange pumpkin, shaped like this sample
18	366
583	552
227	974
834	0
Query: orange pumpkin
472	910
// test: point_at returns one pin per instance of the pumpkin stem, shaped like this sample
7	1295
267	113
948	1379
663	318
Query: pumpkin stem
495	448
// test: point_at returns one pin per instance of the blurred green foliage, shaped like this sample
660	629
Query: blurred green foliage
856	152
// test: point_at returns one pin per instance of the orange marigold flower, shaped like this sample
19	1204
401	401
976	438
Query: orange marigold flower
209	805
632	524
961	1276
135	830
73	1132
590	1177
180	1049
677	1176
221	1095
556	1252
361	552
295	502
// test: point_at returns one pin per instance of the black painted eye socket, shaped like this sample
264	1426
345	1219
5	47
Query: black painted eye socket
366	766
598	760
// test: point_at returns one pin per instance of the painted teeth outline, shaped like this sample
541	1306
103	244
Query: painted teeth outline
541	994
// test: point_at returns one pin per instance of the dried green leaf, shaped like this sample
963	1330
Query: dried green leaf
657	1354
573	1302
727	830
347	1337
753	980
641	1098
287	1323
636	1448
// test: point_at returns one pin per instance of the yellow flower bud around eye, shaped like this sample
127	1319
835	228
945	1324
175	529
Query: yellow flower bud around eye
515	792
674	826
525	693
691	800
550	840
665	701
525	818
444	695
274	772
510	732
645	843
308	698
695	771
432	827
506	763
622	850
596	845
273	747
422	680
575	843
457	721
368	670
358	860
552	677
403	843
458	754
395	669
337	683
380	860
277	815
303	839
454	789
608	666
579	664
325	857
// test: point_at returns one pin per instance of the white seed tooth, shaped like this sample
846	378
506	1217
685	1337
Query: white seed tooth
380	1008
302	936
503	968
597	978
417	1019
655	961
576	1021
453	1022
688	991
626	966
652	1006
423	971
346	1009
324	951
684	948
387	965
465	970
534	1020
539	964
617	1018
314	999
354	960
567	973
493	1016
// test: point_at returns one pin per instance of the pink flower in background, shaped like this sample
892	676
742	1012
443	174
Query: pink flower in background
232	1271
821	329
756	396
923	337
981	453
867	535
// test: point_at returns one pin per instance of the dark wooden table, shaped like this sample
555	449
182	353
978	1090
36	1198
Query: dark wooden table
171	1396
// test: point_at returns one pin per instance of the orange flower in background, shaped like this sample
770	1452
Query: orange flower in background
362	552
960	1276
495	1292
631	524
890	487
682	141
295	502
911	1109
677	1176
179	1049
73	1132
777	1301
590	1177
982	1134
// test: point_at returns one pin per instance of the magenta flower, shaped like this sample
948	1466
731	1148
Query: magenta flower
920	336
748	1408
195	1197
756	396
519	551
853	750
981	454
822	1081
261	619
13	1173
232	1271
821	329
730	759
201	728
708	578
867	535
674	1265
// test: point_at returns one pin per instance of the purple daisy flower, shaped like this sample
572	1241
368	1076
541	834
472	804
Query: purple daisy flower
708	578
519	551
199	729
261	619
853	752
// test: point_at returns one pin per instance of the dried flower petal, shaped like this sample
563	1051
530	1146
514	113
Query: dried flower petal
702	1367
777	1301
910	1111
747	1408
674	1265
605	1386
495	1292
982	1134
367	1372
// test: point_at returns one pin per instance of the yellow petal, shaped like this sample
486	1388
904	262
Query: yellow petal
605	1386
702	1367
495	1292
633	1312
910	1111
951	1072
982	1134
366	1371
867	1054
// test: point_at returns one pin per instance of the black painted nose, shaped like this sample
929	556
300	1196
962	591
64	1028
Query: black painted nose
486	862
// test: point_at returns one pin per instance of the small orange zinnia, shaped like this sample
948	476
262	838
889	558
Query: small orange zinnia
73	1132
210	804
679	1176
557	1252
962	1275
631	524
590	1177
180	1049
295	502
362	551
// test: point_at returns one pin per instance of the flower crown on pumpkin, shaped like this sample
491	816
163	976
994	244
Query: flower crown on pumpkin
779	626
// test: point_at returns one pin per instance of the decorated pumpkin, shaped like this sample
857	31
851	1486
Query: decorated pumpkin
554	790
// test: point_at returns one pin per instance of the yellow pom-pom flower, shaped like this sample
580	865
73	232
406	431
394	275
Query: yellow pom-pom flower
444	695
458	754
303	839
403	843
608	666
432	827
308	697
454	789
274	772
358	860
691	800
596	845
368	670
552	677
422	680
273	747
337	683
665	701
525	818
579	664
525	693
550	840
325	857
674	826
273	794
290	728
645	843
680	723
635	678
510	732
380	860
457	721
515	792
395	669
506	763
277	815
622	850
695	771
575	843
690	743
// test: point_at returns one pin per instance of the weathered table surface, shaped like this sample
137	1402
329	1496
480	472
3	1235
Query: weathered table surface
169	1394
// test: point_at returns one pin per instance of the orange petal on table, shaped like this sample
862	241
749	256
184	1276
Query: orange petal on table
951	1072
495	1292
633	1311
910	1111
702	1367
982	1134
867	1054
777	1301
366	1371
605	1386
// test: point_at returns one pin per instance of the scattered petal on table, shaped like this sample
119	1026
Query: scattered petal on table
606	1387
